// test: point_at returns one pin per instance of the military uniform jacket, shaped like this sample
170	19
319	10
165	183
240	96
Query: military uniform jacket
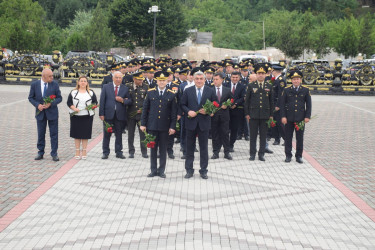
128	78
278	87
138	96
151	84
159	113
107	79
258	101
209	83
295	105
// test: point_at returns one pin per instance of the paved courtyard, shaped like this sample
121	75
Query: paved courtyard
326	203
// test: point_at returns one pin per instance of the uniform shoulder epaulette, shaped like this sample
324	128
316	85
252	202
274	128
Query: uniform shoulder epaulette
280	78
169	90
175	81
288	86
152	89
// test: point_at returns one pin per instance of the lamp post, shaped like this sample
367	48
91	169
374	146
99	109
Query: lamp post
154	9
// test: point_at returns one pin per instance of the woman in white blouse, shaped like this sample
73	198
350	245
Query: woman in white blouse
81	118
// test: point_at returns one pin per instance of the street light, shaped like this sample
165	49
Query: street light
154	9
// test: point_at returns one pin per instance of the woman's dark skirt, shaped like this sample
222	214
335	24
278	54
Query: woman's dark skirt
81	126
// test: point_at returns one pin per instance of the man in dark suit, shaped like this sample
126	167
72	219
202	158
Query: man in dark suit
236	111
295	107
113	101
258	109
47	112
159	118
278	87
192	100
220	120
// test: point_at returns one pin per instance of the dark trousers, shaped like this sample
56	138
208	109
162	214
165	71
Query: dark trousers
132	124
161	141
255	126
220	133
243	128
278	131
183	134
53	133
235	120
170	143
190	148
118	127
289	129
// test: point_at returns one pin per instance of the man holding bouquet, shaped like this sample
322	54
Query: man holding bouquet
44	96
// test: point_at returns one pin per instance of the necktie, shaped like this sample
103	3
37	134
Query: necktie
45	90
161	93
218	94
116	90
261	85
199	96
233	89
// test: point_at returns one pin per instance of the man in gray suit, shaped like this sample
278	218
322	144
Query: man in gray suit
113	101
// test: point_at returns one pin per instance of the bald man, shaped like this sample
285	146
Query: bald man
46	113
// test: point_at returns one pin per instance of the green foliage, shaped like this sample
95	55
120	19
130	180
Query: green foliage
65	10
21	25
99	35
132	24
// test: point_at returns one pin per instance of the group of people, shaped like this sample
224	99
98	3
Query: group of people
165	98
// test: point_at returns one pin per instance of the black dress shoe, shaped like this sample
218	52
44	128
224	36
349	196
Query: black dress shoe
121	156
144	155
299	160
283	144
288	159
204	176
247	138
162	175
104	156
181	150
188	175
261	158
268	139
276	143
215	156
131	155
38	157
268	151
55	158
152	175
177	141
239	137
183	157
231	150
252	157
228	156
171	156
158	156
196	150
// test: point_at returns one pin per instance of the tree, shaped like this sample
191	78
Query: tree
346	38
133	25
99	35
22	25
366	44
65	10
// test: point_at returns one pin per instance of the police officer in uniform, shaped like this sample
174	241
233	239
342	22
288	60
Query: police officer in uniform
138	92
295	107
159	118
258	109
278	87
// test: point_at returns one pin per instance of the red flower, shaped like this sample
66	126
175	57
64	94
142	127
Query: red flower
52	97
297	128
232	100
110	130
216	104
273	79
273	124
150	144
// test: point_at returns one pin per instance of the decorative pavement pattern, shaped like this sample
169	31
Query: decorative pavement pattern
111	204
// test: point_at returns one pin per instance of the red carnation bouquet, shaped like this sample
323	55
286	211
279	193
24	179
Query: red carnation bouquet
209	107
227	103
271	123
108	127
47	100
149	140
301	125
88	108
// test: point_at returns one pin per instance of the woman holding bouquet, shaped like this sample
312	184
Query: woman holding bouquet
81	102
